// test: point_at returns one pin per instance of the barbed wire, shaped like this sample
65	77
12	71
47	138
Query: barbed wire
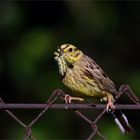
50	104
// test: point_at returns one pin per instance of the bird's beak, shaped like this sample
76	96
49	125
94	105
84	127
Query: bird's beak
58	53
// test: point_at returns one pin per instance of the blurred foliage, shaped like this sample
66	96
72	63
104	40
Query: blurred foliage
30	33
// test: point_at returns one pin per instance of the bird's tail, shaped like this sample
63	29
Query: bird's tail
122	121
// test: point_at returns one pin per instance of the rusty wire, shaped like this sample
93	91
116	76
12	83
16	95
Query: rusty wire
50	104
67	106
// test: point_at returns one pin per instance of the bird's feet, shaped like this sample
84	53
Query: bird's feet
110	106
68	99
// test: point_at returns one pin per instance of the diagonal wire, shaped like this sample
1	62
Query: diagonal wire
13	115
50	101
93	125
16	119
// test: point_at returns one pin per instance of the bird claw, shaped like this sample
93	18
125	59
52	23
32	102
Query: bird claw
68	99
110	107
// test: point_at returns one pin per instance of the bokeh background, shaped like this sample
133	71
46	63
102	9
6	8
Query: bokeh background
30	32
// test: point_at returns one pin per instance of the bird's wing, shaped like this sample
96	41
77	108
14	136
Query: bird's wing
99	76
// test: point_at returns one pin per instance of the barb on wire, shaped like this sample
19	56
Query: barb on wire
50	104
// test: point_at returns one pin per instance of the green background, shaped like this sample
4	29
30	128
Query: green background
30	32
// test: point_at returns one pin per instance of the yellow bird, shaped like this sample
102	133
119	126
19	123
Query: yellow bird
85	78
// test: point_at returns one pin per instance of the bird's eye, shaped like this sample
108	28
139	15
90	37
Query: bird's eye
70	49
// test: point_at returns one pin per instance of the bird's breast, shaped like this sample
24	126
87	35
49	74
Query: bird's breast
80	85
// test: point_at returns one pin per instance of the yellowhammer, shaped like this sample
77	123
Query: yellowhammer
84	77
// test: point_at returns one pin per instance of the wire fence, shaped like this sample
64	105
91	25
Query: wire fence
50	104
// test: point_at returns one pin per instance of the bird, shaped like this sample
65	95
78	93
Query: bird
85	78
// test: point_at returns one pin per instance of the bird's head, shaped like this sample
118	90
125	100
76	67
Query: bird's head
69	52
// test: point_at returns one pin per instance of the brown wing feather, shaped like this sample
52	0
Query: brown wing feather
99	76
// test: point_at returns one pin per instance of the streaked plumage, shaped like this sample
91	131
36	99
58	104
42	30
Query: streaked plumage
84	77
